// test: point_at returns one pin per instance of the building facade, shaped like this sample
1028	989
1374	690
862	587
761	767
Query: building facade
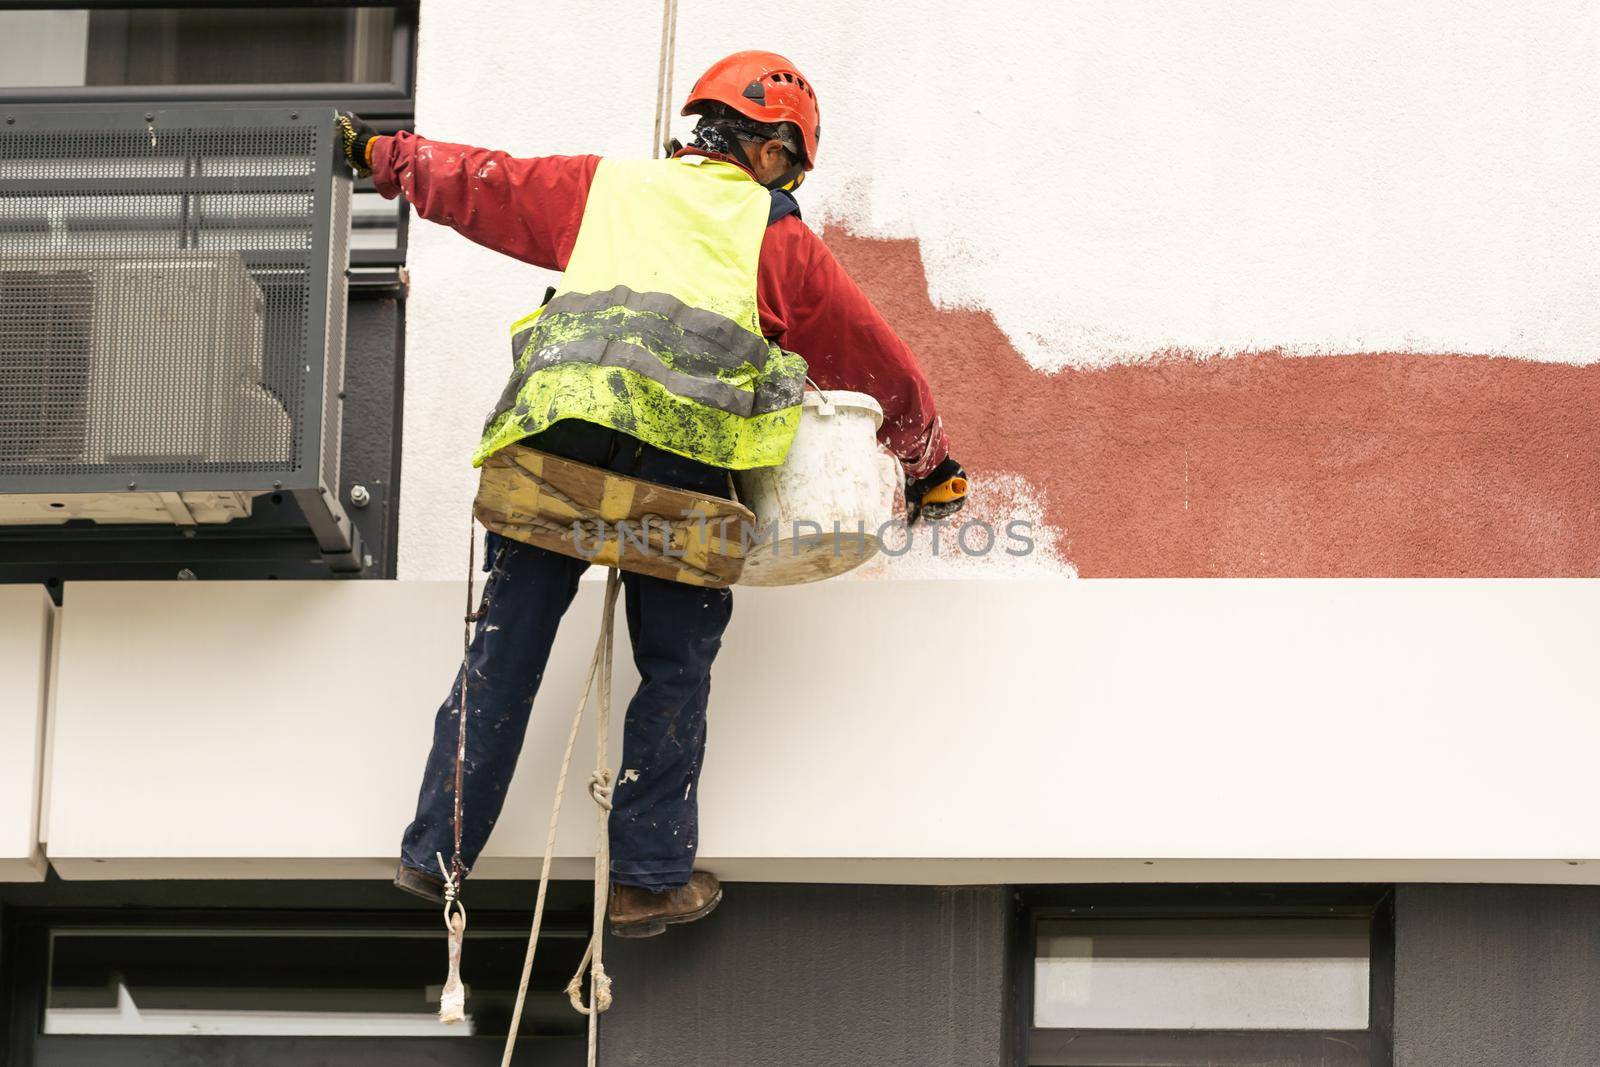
1274	331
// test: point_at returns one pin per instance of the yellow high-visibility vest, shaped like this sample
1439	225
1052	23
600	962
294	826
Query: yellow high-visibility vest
654	330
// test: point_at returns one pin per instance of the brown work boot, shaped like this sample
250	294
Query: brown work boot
419	884
636	912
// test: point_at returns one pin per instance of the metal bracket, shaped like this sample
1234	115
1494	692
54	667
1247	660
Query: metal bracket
336	535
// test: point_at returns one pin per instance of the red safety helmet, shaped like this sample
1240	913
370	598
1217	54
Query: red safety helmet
763	87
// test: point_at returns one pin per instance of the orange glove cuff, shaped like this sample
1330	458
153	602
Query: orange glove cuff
944	492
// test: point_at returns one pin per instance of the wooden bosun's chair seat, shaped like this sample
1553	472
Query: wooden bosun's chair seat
575	509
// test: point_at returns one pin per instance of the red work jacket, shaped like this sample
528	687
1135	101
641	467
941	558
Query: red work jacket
530	209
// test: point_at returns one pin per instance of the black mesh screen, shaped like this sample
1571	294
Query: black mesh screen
164	299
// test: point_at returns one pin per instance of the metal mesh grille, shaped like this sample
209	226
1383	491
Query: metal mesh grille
161	298
44	363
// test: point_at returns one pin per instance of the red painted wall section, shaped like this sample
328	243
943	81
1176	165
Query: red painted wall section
1363	464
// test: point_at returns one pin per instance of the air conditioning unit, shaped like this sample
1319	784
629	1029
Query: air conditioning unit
172	297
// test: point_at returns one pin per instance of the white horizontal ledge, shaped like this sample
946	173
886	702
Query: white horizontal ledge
869	870
896	731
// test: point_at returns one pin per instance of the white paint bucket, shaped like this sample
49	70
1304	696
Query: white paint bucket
819	513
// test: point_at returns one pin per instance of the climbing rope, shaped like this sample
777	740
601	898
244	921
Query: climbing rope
467	620
453	999
600	787
601	782
664	64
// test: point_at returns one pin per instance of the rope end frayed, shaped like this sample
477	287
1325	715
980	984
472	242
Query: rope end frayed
453	999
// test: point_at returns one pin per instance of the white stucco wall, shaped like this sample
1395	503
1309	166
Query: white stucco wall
1116	177
25	620
1043	731
1110	178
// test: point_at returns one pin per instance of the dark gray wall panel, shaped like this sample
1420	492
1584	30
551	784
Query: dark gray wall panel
1497	976
817	976
370	454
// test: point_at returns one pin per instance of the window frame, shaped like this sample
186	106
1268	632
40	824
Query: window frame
25	981
1048	1047
390	99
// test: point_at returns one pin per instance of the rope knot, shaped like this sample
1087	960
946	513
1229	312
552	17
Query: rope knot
451	885
600	788
602	991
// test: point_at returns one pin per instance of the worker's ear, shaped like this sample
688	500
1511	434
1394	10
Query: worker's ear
776	157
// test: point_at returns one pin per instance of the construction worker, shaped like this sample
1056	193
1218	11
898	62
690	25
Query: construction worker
693	305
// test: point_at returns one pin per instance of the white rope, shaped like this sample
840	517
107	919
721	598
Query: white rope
600	790
664	65
601	781
600	786
453	998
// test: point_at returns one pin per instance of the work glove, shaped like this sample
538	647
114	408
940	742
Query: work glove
938	494
355	137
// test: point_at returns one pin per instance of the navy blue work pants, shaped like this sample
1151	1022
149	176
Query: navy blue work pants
676	631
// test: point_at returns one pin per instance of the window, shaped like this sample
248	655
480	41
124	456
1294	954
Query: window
202	987
145	51
355	57
1170	976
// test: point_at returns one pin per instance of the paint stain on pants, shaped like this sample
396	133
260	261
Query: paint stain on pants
676	631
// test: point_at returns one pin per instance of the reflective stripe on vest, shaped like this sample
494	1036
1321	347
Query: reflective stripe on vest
654	330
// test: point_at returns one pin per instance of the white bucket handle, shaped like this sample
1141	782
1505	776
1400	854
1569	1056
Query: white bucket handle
826	407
